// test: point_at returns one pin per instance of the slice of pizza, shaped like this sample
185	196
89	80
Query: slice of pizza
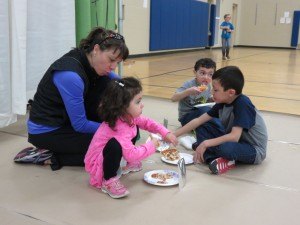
171	154
202	87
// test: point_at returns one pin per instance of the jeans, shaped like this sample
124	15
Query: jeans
239	151
213	124
225	46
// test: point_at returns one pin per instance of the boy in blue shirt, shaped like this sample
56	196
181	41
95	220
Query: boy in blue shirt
245	137
227	29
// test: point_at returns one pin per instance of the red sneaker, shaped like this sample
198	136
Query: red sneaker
221	165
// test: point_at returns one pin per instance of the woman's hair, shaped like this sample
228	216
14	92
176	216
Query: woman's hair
116	99
106	39
230	77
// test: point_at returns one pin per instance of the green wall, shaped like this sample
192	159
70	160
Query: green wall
92	13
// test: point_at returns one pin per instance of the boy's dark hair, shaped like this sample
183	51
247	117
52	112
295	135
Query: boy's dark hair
230	77
116	99
106	39
206	63
226	15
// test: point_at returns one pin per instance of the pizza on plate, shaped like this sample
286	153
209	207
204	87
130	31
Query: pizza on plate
171	154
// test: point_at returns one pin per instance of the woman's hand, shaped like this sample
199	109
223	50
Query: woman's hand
170	137
198	157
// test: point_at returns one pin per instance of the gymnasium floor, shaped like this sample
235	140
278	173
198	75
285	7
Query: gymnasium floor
267	194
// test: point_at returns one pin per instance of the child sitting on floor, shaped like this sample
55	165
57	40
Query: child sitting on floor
121	111
192	93
245	137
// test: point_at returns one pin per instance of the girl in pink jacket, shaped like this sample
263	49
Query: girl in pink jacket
121	111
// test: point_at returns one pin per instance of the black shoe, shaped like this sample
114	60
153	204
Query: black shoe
33	155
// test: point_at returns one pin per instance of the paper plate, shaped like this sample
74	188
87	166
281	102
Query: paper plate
162	144
188	158
150	177
210	104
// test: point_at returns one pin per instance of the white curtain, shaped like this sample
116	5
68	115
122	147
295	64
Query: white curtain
34	34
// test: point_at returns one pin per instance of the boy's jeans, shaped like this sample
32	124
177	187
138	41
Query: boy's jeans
238	151
225	46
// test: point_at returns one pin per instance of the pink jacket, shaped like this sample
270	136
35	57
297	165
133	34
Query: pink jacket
124	134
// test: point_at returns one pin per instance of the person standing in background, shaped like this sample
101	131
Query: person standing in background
227	29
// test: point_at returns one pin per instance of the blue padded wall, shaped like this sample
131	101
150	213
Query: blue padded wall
295	30
176	24
212	22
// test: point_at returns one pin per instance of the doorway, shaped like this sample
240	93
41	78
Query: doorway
234	17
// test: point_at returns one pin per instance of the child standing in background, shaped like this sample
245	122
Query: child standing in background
121	111
189	95
245	137
227	28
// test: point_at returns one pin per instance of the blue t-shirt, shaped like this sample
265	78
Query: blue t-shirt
226	34
71	87
242	113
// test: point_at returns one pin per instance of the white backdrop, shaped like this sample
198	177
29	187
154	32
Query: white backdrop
34	34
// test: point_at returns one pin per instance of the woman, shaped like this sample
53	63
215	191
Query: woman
63	115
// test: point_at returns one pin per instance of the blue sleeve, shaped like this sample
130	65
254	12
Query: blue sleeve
244	113
231	26
71	87
113	75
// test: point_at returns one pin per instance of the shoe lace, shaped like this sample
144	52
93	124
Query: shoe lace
117	185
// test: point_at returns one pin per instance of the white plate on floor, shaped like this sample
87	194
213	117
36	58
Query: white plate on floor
210	104
149	177
188	158
162	144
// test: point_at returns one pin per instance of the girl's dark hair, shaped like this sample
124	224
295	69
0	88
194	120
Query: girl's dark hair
116	99
230	77
206	63
106	39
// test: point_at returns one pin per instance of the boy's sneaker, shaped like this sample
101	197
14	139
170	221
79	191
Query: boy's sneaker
228	57
221	165
33	155
187	141
114	188
132	167
224	58
195	145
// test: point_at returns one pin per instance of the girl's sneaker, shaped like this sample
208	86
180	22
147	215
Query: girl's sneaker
132	167
33	155
114	188
221	165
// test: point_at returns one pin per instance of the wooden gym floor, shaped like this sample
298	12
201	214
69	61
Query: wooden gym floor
272	75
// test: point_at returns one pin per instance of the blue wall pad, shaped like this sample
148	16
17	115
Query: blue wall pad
176	24
212	21
295	30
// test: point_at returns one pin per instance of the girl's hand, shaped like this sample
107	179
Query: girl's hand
155	141
170	137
